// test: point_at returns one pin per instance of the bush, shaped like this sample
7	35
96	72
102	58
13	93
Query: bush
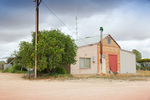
147	68
137	67
12	69
6	70
144	68
17	66
53	72
60	70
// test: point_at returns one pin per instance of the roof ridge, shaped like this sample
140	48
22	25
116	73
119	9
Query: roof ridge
91	37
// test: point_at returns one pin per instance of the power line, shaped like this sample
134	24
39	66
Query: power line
62	21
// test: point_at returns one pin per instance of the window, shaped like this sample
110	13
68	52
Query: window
108	40
85	62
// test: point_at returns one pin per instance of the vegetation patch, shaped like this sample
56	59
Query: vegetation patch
6	70
139	76
14	69
50	76
54	49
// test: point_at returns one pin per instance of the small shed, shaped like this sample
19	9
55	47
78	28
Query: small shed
127	62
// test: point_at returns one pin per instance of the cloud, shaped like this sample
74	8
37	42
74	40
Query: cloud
8	36
126	20
141	45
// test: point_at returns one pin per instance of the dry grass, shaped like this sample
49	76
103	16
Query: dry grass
139	76
51	77
143	73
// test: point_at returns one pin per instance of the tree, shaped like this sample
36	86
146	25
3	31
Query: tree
54	49
137	53
2	64
12	58
145	61
25	55
9	60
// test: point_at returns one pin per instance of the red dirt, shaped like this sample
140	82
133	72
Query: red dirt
13	87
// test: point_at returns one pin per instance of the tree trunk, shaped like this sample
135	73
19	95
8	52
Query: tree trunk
21	68
48	70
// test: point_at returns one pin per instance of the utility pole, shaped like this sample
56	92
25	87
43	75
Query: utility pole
101	48
36	33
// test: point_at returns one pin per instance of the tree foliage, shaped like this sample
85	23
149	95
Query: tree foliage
9	60
137	53
54	48
25	55
145	61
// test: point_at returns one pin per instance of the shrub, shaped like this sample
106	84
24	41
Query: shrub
6	70
60	70
145	68
12	69
137	67
18	66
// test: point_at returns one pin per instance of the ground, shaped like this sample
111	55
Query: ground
13	87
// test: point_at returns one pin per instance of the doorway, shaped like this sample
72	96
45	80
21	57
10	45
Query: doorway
113	63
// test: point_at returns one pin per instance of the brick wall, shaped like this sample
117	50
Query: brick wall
113	49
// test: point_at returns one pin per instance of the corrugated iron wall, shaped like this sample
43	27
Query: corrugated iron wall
127	62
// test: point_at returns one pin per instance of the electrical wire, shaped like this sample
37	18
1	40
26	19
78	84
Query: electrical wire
62	22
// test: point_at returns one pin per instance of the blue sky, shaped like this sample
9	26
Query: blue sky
127	21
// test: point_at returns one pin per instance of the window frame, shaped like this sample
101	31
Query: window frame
86	66
108	40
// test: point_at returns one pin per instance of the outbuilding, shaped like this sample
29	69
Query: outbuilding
127	62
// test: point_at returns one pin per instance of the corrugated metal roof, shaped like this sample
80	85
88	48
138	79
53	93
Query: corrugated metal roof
89	40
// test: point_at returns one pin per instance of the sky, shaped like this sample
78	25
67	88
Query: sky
127	21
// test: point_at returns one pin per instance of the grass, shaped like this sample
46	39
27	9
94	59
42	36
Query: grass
18	71
139	76
143	73
52	77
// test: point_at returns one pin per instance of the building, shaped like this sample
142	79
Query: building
114	58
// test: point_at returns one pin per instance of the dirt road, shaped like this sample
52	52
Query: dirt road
12	87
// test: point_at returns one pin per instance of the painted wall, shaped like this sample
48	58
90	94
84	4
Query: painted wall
127	61
94	51
86	52
7	66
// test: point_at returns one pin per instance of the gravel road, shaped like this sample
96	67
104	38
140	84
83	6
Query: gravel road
13	87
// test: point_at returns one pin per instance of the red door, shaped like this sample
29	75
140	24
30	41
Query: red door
113	63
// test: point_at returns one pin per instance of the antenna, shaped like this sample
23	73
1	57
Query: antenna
76	27
76	18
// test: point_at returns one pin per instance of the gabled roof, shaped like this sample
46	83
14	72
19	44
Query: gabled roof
92	40
89	40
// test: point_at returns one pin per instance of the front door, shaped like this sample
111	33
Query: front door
113	63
